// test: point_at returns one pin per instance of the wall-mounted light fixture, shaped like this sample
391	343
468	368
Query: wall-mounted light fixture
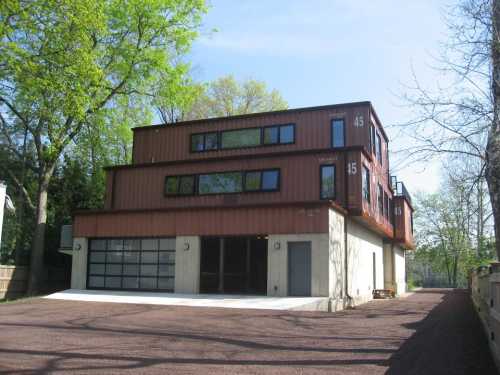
78	247
186	246
277	245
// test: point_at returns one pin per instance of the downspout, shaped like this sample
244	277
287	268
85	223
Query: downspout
346	255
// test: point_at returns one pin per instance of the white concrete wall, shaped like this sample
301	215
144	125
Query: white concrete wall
79	263
277	263
388	267
399	270
361	244
3	189
336	262
187	264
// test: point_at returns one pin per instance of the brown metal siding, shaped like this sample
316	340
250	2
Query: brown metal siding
142	188
403	231
170	143
204	222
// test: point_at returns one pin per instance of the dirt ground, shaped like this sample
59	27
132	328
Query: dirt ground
430	332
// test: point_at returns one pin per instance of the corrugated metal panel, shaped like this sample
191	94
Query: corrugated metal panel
218	221
169	143
142	188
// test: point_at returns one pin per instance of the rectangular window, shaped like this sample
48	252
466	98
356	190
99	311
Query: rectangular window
386	206
179	185
287	134
366	184
241	138
380	200
327	181
222	183
204	142
372	138
338	133
271	135
378	148
270	180
217	183
391	211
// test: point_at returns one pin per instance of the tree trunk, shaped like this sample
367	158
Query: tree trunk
37	264
493	145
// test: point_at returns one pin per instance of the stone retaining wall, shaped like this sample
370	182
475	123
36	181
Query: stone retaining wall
13	281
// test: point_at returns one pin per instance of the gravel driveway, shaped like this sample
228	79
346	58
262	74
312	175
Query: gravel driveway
430	332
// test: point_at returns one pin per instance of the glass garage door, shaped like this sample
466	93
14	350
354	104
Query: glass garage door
132	264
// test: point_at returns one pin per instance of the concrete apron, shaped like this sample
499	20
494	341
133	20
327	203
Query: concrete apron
196	300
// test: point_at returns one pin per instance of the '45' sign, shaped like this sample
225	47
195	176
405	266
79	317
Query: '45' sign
352	168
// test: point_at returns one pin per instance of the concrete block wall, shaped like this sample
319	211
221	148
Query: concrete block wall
361	244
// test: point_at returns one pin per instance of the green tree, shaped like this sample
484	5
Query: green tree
222	97
64	65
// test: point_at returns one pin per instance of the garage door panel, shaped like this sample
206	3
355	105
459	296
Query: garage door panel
132	264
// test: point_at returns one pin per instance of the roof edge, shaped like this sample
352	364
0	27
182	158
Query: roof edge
258	114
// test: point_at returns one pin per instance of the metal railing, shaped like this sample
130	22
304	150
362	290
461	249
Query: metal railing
400	188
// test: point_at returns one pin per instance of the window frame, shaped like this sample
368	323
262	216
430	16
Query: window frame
178	177
334	181
366	172
204	134
262	142
261	189
221	132
378	147
380	200
343	132
243	180
213	173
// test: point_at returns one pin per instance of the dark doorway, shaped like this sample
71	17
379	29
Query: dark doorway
234	265
299	269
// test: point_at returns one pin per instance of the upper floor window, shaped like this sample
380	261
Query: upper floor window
380	200
372	138
223	182
386	206
267	180
338	133
378	148
241	138
391	211
204	141
180	185
366	183
327	182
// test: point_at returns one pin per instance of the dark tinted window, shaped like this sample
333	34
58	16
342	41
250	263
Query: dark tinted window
240	138
171	185
378	148
271	135
380	199
287	134
270	180
211	141
215	183
327	182
197	142
186	185
366	184
338	133
252	181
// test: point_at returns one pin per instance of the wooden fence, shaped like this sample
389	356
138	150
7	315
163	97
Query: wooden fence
13	281
485	292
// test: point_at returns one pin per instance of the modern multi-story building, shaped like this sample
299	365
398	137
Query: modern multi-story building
288	203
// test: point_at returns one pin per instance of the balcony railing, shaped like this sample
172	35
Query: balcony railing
400	188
